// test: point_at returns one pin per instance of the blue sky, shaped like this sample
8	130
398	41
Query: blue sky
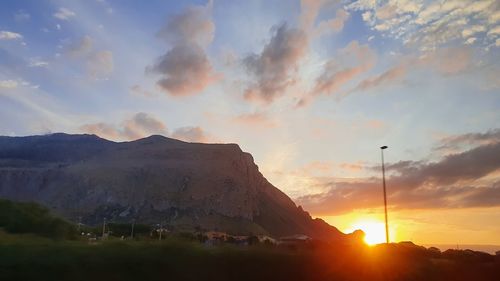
310	88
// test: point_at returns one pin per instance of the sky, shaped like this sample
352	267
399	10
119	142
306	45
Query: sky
311	88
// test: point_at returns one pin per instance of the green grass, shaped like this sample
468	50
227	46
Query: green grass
28	257
42	259
29	250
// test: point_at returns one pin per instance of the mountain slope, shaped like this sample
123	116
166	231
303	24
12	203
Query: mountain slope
152	180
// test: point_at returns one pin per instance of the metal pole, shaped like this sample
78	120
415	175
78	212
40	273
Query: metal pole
385	196
103	227
79	224
132	232
161	230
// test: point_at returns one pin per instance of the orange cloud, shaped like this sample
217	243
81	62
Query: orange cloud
465	179
354	167
139	126
390	76
191	134
333	79
255	119
447	61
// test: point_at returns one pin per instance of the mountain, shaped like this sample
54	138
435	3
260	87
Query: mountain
151	180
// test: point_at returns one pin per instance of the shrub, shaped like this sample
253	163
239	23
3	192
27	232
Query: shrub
16	217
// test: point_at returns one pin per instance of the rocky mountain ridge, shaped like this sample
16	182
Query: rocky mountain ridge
151	180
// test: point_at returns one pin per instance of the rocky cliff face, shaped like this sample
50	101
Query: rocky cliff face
151	180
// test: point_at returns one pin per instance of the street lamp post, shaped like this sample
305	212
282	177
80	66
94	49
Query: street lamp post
132	231
385	195
103	228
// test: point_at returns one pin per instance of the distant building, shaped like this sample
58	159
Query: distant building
266	239
297	239
216	235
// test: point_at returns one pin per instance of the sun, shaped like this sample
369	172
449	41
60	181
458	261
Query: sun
374	231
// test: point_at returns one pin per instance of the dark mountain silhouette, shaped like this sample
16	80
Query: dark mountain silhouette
152	180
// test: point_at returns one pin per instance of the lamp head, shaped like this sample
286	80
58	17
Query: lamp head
383	147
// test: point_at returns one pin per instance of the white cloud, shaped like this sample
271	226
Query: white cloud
8	84
9	35
494	32
470	40
64	14
469	31
37	62
430	24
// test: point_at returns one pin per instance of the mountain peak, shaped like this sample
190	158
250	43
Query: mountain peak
157	139
152	180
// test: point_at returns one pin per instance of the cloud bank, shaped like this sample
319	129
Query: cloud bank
139	126
466	179
428	25
142	125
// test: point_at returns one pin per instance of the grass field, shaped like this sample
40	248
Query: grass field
28	257
29	250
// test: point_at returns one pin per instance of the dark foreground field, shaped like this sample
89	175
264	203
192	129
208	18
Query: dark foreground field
34	245
33	258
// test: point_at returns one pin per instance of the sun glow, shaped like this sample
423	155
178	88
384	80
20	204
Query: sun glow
374	231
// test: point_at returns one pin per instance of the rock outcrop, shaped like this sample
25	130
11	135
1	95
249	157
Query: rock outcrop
151	180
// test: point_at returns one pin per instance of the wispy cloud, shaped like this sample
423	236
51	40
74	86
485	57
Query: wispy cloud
9	35
64	14
100	65
8	84
255	119
308	18
445	61
456	142
335	75
80	48
37	62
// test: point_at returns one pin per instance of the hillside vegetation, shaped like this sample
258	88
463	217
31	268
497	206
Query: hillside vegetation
19	217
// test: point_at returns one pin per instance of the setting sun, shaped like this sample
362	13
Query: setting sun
374	231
